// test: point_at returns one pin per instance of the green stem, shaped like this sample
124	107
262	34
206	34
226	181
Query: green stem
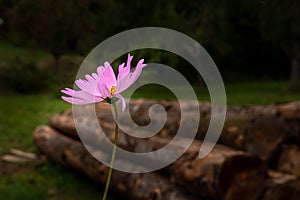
113	153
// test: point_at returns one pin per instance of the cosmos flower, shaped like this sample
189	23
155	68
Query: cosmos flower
104	85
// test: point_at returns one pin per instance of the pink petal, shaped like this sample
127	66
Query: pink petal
123	83
137	71
128	64
95	76
100	70
109	75
89	86
121	70
102	87
105	91
125	70
107	80
76	101
130	78
81	95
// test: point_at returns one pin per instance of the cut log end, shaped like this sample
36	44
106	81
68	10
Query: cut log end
224	173
281	186
289	160
242	176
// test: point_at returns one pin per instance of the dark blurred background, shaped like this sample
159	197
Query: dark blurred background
255	44
249	40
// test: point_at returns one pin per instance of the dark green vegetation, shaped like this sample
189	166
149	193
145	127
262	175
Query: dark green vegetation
252	40
27	70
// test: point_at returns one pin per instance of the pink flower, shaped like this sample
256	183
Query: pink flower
103	85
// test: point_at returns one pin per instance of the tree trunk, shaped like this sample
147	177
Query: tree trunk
295	69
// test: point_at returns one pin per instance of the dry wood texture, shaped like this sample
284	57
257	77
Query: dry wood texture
267	133
71	153
281	186
225	173
260	130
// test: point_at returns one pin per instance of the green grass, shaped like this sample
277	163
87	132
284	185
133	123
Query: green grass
252	93
19	115
247	93
48	181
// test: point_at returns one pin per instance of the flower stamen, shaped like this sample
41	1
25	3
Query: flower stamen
112	90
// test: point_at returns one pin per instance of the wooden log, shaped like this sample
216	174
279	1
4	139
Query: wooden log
27	155
289	110
223	174
71	153
246	128
243	129
289	159
18	159
271	132
281	186
19	156
65	123
259	130
265	135
219	175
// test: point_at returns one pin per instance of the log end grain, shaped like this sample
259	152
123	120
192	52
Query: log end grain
242	176
281	186
289	160
264	134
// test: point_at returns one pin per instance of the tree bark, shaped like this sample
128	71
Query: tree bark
224	173
71	153
289	159
281	186
295	69
246	128
271	132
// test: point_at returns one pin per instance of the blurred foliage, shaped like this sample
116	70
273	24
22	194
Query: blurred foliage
280	23
25	77
243	37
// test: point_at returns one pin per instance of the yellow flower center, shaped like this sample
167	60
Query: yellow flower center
112	90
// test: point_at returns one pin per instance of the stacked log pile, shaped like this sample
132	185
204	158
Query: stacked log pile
260	141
